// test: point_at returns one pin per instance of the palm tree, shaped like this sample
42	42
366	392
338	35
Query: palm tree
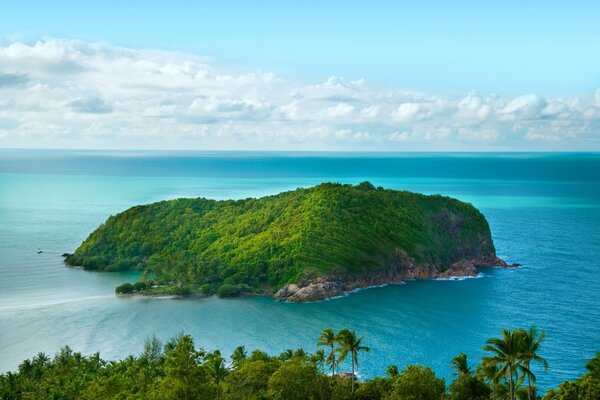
350	344
319	359
460	364
530	344
299	353
286	355
392	371
505	359
239	355
216	369
328	338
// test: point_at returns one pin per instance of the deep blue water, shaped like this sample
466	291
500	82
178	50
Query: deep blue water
543	209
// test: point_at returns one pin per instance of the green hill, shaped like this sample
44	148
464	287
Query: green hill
260	245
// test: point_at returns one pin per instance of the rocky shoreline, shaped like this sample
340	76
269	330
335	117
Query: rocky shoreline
402	268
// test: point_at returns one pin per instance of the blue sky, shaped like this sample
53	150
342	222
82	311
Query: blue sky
543	55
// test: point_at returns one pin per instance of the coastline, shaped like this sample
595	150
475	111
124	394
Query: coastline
325	288
405	269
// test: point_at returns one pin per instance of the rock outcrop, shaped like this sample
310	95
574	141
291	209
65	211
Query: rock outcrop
401	268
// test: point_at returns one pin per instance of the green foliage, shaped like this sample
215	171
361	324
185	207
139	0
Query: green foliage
508	365
460	364
230	290
125	288
265	243
178	370
207	289
295	380
350	344
328	338
251	379
469	387
373	389
593	366
185	377
586	388
417	383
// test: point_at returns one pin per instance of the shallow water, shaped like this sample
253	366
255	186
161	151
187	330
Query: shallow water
543	209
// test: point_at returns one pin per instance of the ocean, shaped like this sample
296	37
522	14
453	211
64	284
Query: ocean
543	210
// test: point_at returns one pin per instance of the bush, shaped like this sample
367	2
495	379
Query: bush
294	380
468	386
586	388
124	288
73	260
229	290
139	286
377	388
183	290
418	383
90	263
207	289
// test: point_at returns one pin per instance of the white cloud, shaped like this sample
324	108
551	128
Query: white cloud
398	136
370	112
527	106
406	112
340	110
67	93
473	108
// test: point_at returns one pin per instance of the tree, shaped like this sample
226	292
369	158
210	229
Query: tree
318	358
392	371
469	387
529	346
593	366
294	380
328	338
586	388
350	344
460	364
286	355
505	362
374	389
239	355
251	379
216	369
152	348
124	288
417	383
184	377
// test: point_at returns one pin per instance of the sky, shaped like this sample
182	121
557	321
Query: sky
426	75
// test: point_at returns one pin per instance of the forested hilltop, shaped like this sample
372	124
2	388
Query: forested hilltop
306	244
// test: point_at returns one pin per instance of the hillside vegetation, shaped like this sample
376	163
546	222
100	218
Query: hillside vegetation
259	245
179	370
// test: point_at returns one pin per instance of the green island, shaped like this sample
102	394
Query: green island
308	244
178	370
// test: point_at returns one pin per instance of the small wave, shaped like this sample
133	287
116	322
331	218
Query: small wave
349	292
460	278
158	297
53	303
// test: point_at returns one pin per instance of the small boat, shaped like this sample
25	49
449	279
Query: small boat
40	251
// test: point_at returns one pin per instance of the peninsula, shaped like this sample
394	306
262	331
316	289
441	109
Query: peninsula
304	245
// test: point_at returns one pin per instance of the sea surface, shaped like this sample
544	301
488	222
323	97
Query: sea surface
543	209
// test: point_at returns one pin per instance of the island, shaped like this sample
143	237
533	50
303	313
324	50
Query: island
308	244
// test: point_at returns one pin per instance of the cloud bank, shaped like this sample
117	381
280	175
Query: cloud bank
66	93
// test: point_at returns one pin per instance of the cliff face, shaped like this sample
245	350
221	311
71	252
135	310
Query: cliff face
401	268
306	244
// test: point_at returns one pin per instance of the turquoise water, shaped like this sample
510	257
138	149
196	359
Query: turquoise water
543	209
